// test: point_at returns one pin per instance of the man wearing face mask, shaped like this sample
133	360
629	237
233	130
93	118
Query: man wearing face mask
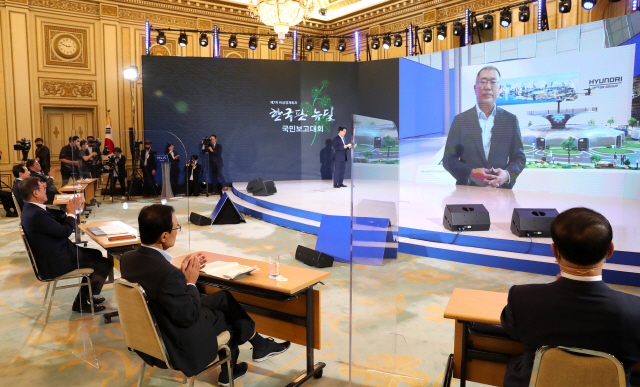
148	166
43	156
70	158
87	155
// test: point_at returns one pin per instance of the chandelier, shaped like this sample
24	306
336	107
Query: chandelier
281	14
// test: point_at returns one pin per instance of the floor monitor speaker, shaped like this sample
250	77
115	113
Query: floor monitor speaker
466	217
271	187
200	220
533	222
254	185
267	188
313	258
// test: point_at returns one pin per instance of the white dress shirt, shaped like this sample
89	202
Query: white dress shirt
486	124
591	278
166	256
115	169
342	138
146	156
195	162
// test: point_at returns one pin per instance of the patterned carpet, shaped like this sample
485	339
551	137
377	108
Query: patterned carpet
398	322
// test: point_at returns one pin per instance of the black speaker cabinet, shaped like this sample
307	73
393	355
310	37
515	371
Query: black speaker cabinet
267	188
541	143
270	186
313	258
583	144
200	220
466	217
533	222
254	185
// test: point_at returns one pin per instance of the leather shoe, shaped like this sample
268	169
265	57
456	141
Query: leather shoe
84	306
97	300
336	186
342	185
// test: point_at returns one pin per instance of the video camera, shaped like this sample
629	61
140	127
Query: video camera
137	143
109	162
206	142
95	142
24	146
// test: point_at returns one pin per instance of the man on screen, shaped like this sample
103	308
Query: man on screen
484	146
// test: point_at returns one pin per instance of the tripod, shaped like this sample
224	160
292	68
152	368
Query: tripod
206	172
135	175
111	184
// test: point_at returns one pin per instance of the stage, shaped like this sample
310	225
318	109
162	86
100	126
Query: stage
300	205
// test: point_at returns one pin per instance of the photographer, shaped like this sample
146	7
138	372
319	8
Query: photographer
70	157
174	173
7	202
95	167
35	170
193	176
118	163
43	156
214	149
87	158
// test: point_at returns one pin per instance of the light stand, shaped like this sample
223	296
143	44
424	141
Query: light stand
132	75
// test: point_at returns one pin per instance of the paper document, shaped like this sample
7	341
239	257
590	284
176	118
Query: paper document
66	197
108	230
227	270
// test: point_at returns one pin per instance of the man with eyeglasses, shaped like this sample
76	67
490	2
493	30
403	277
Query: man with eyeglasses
484	145
190	323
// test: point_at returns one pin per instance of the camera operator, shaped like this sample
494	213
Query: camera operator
87	157
35	170
95	167
215	161
148	166
7	202
117	162
43	156
70	158
174	172
193	176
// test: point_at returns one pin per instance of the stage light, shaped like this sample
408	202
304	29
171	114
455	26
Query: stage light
375	43
589	4
386	42
204	40
131	73
397	40
457	29
161	39
233	41
182	40
442	32
427	35
309	44
325	45
272	43
487	23
342	44
253	42
505	17
564	6
523	14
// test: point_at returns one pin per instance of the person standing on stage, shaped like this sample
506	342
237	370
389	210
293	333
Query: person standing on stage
174	172
43	155
340	147
148	166
484	145
215	163
193	176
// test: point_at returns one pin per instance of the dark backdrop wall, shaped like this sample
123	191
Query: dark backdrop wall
274	118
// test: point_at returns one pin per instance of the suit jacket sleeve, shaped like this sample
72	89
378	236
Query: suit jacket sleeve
181	302
196	173
49	225
453	150
517	159
337	144
217	150
507	318
152	160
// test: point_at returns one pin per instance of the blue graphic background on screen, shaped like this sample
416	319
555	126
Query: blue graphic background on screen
197	97
421	101
539	88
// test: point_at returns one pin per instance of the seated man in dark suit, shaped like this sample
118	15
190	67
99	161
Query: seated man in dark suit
190	323
35	170
193	176
484	145
7	201
578	309
54	253
20	172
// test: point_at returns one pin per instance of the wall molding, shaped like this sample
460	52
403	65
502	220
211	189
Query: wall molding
67	89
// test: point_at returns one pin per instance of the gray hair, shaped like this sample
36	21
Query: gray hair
488	68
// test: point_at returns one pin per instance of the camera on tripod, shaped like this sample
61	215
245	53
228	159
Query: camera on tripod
137	143
206	142
109	163
24	146
95	142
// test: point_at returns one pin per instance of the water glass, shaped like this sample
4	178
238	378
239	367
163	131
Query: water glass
274	265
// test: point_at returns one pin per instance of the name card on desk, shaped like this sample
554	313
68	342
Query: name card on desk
162	158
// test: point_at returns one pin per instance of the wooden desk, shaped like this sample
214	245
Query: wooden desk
113	248
287	310
481	358
87	187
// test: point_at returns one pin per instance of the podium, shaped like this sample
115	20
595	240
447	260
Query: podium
163	160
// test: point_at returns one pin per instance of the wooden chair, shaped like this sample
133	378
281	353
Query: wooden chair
575	367
75	274
15	202
141	332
